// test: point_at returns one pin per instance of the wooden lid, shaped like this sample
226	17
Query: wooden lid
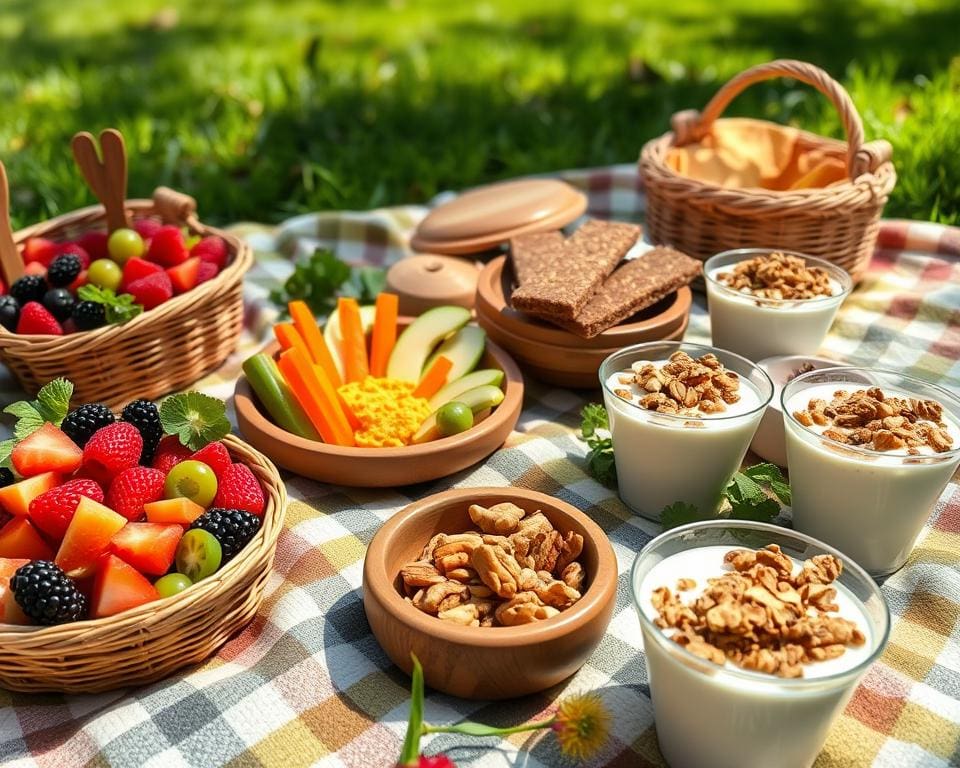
485	217
428	280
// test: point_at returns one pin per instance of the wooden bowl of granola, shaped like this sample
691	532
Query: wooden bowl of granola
490	662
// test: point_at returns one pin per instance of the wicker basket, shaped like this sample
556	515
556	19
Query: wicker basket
159	351
148	643
838	223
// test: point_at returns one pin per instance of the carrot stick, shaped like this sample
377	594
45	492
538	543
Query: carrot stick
434	379
384	333
353	344
306	325
290	338
352	418
322	406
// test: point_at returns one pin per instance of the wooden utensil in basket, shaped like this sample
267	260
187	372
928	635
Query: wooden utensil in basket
150	642
161	350
838	223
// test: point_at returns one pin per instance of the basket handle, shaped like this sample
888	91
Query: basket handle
690	125
175	206
11	264
108	177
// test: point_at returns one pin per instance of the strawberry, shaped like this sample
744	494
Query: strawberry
148	547
111	450
185	276
47	449
95	244
238	488
52	511
35	319
136	268
39	249
35	268
119	587
167	247
133	488
212	249
152	290
215	455
147	228
206	271
77	251
169	453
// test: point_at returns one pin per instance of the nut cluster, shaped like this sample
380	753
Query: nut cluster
683	386
777	276
869	418
760	616
516	569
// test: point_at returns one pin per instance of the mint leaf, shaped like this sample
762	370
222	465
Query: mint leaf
53	400
679	513
118	309
743	489
763	512
6	448
771	475
195	418
593	417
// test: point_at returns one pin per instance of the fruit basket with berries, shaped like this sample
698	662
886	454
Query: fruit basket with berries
131	545
130	298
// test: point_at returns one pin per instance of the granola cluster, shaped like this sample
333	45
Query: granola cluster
867	417
760	616
777	276
683	386
516	569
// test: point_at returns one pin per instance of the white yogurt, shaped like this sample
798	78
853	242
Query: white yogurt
759	328
728	717
870	505
662	458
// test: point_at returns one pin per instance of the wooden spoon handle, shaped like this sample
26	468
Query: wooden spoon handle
11	264
107	178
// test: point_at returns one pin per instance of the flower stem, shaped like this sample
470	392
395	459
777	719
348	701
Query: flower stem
478	729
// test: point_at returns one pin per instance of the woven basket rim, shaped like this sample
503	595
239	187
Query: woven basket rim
41	343
160	610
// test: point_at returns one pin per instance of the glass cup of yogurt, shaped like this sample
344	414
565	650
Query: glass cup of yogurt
864	492
725	716
689	455
754	322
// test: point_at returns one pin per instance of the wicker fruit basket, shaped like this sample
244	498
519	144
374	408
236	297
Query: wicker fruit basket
838	223
159	351
148	643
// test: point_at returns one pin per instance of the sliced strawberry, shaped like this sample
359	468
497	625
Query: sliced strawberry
20	539
215	455
88	537
136	268
185	276
180	511
119	587
39	249
35	268
10	611
16	498
46	450
148	547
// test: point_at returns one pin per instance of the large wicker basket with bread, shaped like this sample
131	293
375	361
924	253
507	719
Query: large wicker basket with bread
837	222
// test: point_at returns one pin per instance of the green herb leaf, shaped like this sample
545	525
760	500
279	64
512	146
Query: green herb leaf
763	511
411	743
679	513
118	309
593	417
196	418
600	461
315	280
365	284
28	419
53	400
771	475
6	448
742	489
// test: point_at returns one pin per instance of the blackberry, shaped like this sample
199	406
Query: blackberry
88	315
46	594
59	302
29	288
6	477
146	418
9	312
233	528
82	422
64	269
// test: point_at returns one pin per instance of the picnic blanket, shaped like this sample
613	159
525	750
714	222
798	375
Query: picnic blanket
306	682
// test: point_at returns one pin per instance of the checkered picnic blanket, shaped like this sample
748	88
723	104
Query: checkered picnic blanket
306	683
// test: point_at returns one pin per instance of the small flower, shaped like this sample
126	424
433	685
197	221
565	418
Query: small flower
582	725
437	761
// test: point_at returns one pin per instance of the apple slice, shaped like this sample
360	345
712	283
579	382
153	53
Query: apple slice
450	392
418	340
464	349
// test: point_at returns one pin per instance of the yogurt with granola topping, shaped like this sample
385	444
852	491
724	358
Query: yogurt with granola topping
674	443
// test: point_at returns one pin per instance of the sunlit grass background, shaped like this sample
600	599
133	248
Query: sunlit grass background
265	109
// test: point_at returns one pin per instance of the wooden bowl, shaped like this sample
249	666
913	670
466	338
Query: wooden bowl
384	467
652	324
485	662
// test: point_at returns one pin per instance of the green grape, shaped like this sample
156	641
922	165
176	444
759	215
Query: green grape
105	273
454	418
172	584
198	555
124	244
192	480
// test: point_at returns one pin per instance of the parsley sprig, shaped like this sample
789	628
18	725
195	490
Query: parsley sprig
321	277
595	430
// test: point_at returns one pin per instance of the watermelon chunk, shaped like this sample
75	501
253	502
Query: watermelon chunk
148	547
46	450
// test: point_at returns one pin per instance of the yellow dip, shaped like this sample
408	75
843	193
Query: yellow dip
388	412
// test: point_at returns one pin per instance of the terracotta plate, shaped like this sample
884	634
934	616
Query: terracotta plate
489	662
384	467
654	323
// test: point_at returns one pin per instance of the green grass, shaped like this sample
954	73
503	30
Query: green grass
265	109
